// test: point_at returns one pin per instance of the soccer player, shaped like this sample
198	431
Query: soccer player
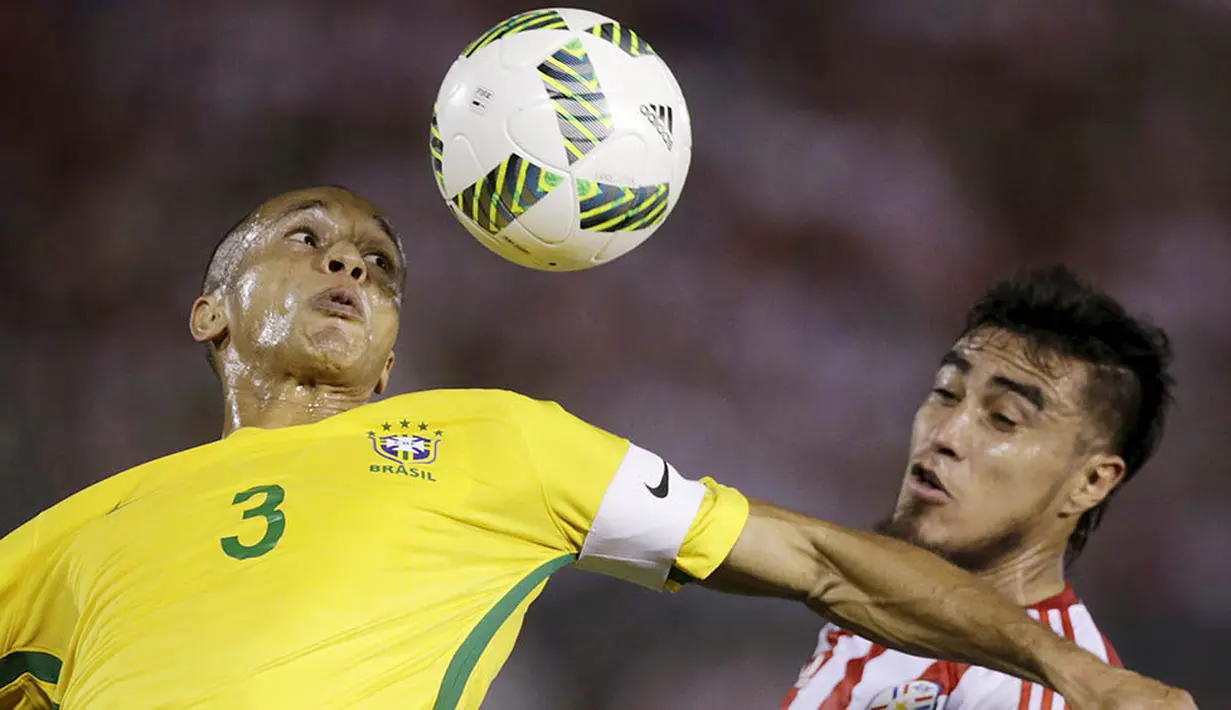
1051	399
330	553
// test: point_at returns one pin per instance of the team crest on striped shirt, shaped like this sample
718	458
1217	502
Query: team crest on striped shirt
915	695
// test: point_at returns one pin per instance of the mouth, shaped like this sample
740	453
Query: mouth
342	302
925	484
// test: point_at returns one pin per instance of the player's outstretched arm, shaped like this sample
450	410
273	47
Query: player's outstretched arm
911	600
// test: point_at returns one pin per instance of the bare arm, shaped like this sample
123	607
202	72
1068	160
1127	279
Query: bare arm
911	600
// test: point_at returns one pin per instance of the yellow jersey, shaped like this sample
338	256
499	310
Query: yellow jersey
381	558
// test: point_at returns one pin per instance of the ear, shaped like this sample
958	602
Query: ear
208	321
383	382
1100	476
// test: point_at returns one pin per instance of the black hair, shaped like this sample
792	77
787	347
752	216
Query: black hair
217	272
1130	389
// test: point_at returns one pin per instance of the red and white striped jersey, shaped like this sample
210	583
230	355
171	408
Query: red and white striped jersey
850	672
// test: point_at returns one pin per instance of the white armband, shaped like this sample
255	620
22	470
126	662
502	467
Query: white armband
642	522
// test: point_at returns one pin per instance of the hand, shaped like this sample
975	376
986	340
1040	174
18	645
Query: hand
1118	689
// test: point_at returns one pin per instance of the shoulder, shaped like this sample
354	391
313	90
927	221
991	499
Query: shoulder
56	526
61	520
101	497
1068	616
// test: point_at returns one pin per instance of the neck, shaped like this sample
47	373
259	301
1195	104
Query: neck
1029	574
253	400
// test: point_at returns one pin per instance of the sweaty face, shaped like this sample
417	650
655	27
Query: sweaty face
994	451
316	291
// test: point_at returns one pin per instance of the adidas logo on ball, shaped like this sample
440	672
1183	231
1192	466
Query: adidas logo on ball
660	117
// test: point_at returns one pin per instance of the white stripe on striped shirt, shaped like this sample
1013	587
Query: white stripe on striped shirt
823	683
1085	633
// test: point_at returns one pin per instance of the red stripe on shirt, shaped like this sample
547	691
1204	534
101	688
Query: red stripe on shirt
946	674
1066	623
841	695
1113	658
1024	703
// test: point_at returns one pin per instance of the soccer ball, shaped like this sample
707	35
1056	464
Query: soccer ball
560	139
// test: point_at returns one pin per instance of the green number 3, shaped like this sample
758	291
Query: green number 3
275	522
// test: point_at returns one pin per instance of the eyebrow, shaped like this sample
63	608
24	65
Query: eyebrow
952	359
1031	393
300	207
384	225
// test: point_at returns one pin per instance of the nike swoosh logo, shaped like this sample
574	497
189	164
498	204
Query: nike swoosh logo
660	491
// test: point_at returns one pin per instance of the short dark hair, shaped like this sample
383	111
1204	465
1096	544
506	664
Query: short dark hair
1130	389
220	270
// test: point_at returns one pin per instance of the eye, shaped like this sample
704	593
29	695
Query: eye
380	261
304	236
1002	421
944	395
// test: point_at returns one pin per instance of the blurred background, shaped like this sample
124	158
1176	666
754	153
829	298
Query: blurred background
862	170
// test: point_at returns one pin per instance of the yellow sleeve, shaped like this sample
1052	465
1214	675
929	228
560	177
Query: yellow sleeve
37	612
573	461
34	634
723	514
576	463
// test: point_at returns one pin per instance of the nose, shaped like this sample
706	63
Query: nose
949	436
345	258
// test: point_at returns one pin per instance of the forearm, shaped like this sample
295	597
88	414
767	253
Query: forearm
895	594
904	597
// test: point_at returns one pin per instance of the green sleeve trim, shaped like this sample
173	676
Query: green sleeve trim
42	666
680	577
468	654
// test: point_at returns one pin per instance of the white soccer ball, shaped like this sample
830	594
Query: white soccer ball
560	139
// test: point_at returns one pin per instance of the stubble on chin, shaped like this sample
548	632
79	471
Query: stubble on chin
905	524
